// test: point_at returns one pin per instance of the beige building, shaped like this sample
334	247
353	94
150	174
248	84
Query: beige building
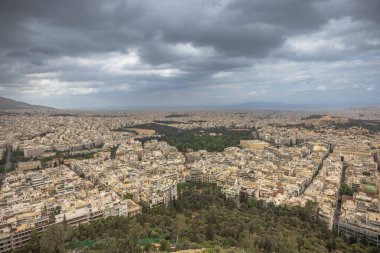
33	152
22	166
253	144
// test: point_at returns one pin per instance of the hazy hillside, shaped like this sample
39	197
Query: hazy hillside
10	104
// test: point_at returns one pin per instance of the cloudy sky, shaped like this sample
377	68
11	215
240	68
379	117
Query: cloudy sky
78	53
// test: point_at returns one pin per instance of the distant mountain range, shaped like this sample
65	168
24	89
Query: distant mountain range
292	106
10	104
275	106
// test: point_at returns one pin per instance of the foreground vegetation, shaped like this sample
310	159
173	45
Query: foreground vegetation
199	138
201	218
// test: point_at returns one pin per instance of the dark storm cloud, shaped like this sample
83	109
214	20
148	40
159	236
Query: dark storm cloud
72	27
138	47
293	14
360	10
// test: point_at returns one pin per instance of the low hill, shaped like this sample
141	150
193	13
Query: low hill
10	104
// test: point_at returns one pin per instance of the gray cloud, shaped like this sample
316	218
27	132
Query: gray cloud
133	49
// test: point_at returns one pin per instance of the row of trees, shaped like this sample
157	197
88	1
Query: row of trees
203	217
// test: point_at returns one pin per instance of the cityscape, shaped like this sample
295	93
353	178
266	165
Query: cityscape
222	126
77	168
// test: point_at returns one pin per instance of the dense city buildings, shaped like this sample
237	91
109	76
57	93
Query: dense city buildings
74	169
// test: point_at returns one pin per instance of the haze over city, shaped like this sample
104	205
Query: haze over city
120	54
